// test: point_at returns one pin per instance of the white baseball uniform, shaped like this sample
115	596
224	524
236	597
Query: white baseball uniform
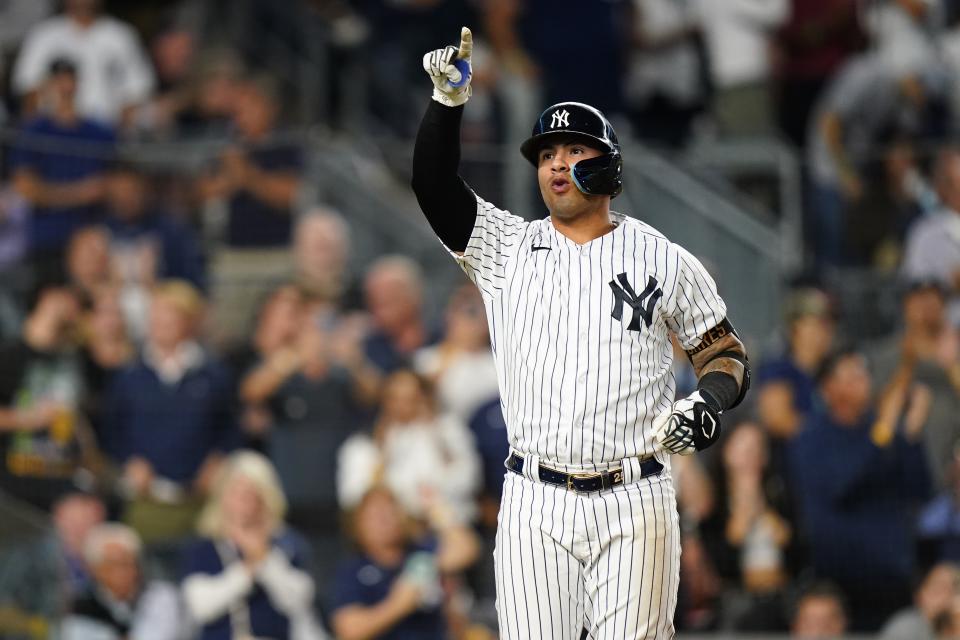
580	335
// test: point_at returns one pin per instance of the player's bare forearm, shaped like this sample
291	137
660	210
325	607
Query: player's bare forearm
720	362
718	354
728	345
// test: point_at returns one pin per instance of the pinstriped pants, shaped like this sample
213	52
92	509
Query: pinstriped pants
606	561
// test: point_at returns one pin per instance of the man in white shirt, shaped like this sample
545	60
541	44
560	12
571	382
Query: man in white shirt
737	34
114	71
932	249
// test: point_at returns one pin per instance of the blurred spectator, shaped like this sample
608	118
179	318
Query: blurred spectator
148	244
197	91
904	29
931	600
529	37
312	387
896	195
814	42
122	603
858	472
305	378
820	614
58	164
748	535
169	417
785	386
933	242
16	19
668	84
246	577
73	515
107	349
461	366
393	289
700	586
947	626
87	260
258	179
421	457
928	336
14	231
739	35
321	248
870	96
211	93
173	53
938	524
114	70
277	332
392	590
41	387
949	50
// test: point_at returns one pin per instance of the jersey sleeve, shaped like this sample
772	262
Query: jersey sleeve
494	240
696	307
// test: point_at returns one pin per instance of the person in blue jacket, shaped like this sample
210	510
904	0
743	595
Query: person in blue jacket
859	470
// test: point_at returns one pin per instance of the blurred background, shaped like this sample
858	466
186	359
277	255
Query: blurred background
244	393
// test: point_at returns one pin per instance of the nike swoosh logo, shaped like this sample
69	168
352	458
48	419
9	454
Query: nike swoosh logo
540	248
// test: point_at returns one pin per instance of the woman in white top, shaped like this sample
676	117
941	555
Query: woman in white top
245	578
420	456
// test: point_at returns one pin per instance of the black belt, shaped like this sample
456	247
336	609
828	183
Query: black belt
584	482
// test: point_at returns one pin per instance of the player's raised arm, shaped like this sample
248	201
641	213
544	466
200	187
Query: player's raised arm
447	202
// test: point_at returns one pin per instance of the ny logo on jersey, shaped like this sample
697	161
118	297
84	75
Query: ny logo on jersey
560	119
642	305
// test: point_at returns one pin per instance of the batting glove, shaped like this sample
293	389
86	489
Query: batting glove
692	424
451	71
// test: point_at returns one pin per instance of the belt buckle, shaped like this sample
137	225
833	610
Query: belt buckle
579	476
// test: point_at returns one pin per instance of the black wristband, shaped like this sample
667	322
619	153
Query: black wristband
719	389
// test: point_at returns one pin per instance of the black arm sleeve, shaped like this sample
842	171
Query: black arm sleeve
448	203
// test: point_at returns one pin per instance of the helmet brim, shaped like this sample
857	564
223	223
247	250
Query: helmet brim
531	146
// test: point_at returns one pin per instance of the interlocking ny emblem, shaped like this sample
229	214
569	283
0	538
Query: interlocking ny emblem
642	305
560	119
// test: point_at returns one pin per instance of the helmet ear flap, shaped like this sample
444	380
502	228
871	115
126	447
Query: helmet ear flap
601	175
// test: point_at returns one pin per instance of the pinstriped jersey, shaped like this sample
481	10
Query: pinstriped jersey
581	333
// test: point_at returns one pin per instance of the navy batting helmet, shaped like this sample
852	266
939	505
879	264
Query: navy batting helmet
597	176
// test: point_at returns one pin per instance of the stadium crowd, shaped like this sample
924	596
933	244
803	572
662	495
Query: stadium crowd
235	434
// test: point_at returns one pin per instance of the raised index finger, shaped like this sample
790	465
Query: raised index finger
466	44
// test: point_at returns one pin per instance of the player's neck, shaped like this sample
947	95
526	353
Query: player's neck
586	227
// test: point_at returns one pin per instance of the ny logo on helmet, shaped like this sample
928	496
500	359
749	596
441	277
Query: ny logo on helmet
560	119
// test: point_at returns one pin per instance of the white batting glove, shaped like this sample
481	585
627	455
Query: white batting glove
450	87
692	424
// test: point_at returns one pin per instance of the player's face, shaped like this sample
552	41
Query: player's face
554	174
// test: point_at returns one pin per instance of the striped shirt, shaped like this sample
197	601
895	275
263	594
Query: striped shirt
581	333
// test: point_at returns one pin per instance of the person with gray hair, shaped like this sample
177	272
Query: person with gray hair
393	290
932	247
321	249
122	604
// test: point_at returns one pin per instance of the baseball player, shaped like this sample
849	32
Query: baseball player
581	306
